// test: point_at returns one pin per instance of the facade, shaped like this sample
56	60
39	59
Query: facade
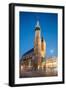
34	59
51	64
35	63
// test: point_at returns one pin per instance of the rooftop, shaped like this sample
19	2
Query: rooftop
28	52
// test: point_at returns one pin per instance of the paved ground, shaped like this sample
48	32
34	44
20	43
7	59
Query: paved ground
39	73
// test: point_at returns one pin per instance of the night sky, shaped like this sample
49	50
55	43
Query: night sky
49	30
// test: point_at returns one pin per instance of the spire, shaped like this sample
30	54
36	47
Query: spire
37	25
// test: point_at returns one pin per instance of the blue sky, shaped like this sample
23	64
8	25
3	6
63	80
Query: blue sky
49	30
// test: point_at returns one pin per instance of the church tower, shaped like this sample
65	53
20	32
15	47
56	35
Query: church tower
37	45
43	53
43	48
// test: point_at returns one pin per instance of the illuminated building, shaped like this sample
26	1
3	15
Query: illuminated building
35	58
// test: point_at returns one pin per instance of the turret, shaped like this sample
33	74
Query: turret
43	48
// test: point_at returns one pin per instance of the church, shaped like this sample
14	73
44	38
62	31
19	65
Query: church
35	58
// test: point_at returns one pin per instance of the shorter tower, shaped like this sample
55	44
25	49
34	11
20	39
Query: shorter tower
43	48
43	53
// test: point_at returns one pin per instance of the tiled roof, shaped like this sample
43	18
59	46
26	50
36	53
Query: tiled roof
28	52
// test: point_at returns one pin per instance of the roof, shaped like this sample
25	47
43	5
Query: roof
28	52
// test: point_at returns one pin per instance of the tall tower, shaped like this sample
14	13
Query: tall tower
37	46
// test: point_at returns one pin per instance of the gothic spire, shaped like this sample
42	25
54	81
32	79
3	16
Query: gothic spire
37	25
